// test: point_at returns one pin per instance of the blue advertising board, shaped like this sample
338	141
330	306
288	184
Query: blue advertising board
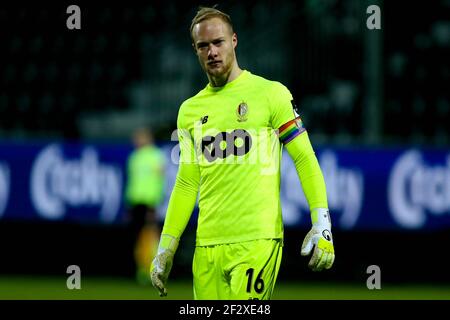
368	189
71	182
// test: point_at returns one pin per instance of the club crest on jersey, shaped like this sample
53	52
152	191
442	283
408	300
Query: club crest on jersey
242	112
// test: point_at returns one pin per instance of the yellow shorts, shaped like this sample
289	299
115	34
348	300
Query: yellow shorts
237	271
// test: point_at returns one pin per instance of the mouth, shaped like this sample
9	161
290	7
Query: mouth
214	64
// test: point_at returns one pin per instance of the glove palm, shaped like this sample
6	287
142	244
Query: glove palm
162	263
320	241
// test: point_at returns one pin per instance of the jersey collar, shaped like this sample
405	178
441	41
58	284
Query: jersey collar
233	83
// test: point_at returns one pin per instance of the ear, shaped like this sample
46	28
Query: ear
234	40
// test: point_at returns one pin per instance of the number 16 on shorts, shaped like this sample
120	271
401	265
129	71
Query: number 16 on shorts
256	284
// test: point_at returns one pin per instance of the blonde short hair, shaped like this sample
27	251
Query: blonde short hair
205	13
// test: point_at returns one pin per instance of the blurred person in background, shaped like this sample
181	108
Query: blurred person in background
144	192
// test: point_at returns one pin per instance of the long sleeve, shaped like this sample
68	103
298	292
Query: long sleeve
308	170
295	138
182	199
184	194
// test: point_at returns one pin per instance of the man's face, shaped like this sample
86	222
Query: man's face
214	44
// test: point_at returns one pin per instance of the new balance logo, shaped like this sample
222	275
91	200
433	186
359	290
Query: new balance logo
204	119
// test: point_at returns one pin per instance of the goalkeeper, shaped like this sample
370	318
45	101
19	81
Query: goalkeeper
231	136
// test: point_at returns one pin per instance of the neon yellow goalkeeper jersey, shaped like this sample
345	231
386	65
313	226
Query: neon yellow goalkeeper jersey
233	137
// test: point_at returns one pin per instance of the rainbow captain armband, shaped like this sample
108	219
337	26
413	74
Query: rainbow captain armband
290	130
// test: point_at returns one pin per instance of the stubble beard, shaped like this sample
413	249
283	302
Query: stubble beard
219	77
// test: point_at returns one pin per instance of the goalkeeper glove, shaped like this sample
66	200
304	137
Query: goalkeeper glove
162	263
319	238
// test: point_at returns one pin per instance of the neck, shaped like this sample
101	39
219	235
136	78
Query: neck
225	78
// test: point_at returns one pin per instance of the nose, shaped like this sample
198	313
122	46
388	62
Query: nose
212	51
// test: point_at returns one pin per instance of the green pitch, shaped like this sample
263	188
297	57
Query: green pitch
49	288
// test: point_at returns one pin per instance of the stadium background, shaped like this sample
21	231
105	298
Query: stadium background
368	97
